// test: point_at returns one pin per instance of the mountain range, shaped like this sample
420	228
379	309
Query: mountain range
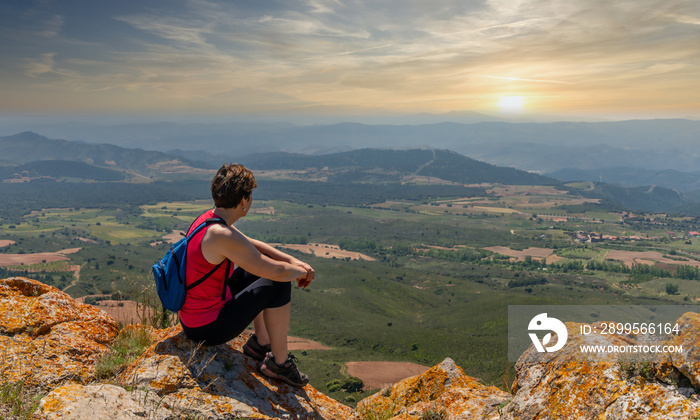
30	147
32	155
358	165
39	156
654	145
633	177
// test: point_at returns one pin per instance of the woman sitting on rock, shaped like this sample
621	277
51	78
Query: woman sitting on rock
252	282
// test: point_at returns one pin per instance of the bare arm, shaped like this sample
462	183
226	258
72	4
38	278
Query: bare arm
276	254
269	250
222	242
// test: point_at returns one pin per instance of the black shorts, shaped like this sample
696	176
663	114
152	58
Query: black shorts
251	294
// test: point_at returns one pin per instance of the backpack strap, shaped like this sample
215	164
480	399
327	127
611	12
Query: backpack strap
204	224
199	281
206	276
228	268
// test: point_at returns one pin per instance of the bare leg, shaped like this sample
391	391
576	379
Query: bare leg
260	330
276	322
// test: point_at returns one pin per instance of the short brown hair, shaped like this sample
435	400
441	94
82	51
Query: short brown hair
231	184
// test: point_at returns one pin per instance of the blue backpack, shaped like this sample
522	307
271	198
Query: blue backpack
169	272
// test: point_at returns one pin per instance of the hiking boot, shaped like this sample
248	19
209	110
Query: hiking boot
254	349
286	372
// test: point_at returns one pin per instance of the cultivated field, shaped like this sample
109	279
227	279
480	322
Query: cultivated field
125	312
325	251
378	375
647	257
539	253
296	343
35	258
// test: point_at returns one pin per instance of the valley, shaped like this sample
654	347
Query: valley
436	278
409	269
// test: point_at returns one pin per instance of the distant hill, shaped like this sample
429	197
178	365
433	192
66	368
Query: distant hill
537	147
651	199
29	147
61	169
633	177
387	170
391	165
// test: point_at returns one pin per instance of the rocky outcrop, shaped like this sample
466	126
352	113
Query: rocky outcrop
567	384
50	343
687	362
102	401
220	382
46	337
176	378
444	392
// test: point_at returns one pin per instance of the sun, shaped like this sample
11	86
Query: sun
511	104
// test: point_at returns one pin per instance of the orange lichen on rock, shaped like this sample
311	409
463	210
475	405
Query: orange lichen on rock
47	337
574	385
441	389
102	401
688	361
221	382
50	343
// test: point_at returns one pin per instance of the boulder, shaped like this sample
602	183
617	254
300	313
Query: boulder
443	391
177	378
50	343
568	385
221	382
101	401
47	338
688	361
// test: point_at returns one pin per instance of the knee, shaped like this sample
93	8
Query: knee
286	289
283	293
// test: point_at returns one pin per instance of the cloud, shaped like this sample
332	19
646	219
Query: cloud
350	53
323	6
42	65
170	28
530	80
395	54
52	27
302	25
692	20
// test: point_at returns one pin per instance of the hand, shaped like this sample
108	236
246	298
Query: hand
310	273
303	282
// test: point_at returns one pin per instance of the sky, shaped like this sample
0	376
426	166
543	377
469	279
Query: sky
597	58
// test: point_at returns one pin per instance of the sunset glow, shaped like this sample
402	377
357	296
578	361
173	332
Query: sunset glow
338	58
511	104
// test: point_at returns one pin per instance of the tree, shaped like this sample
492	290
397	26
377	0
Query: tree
352	384
671	289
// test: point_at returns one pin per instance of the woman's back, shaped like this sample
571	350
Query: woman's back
204	301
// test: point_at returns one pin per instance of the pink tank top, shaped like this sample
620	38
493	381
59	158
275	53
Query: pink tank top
203	302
